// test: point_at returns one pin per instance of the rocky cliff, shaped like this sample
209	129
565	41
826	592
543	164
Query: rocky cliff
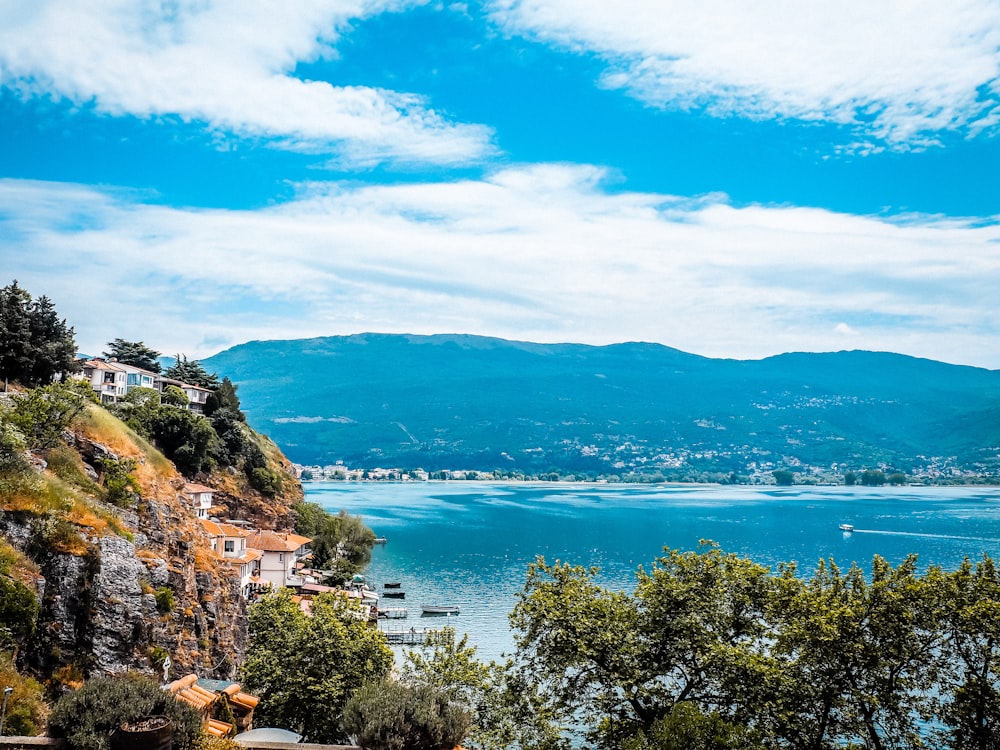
121	585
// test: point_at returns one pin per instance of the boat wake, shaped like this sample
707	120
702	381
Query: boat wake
927	536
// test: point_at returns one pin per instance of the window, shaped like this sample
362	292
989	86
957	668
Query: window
230	545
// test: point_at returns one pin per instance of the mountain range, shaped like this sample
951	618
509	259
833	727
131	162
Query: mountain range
461	401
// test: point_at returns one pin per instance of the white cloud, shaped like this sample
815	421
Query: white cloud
540	253
228	64
900	72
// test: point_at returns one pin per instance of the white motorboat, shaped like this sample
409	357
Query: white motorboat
440	609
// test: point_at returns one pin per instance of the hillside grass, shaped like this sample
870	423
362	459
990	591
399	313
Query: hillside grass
100	426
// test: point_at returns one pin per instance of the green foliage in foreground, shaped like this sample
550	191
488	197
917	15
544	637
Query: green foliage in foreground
389	715
710	651
713	650
87	717
306	667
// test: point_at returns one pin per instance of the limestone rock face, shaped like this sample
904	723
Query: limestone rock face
100	613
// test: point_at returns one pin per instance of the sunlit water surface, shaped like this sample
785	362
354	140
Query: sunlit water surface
469	543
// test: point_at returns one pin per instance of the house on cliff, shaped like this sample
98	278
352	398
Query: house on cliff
230	545
282	557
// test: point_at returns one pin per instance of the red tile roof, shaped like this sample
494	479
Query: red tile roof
272	541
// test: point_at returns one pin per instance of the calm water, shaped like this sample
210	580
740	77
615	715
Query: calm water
469	543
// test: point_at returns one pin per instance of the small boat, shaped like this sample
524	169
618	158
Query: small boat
440	609
392	585
380	540
394	594
846	527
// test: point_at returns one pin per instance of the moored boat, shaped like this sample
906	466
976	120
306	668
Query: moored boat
394	594
846	527
440	609
392	585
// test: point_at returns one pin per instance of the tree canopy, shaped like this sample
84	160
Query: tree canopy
306	667
712	650
35	344
191	372
134	353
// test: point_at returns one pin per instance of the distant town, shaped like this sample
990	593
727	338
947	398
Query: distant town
934	472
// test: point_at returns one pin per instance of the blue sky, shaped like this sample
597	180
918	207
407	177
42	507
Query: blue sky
731	179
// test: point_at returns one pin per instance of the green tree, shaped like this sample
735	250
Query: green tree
53	343
224	397
872	478
35	344
783	477
687	728
850	479
306	667
191	372
134	353
693	631
897	478
505	707
970	684
858	656
341	542
174	396
185	438
120	487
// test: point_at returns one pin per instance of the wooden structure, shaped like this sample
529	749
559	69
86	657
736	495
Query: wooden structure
207	697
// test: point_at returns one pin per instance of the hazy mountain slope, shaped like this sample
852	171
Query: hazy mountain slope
474	402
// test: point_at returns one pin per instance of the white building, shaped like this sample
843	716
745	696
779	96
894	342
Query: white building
230	544
200	497
280	557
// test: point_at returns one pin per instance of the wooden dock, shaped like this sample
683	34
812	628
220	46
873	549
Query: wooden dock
393	613
410	637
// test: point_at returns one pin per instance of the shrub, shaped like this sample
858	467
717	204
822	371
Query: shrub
26	709
120	487
66	464
18	612
391	716
266	481
87	717
164	599
43	413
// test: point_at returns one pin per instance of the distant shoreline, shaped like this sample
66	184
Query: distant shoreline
986	483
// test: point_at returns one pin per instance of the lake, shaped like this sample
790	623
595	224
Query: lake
469	543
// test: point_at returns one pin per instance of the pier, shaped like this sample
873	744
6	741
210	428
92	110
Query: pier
393	613
410	637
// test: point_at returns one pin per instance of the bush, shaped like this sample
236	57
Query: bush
42	414
25	708
87	717
266	481
120	487
164	599
18	612
391	716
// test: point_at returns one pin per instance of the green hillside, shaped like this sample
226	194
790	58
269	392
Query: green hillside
453	401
